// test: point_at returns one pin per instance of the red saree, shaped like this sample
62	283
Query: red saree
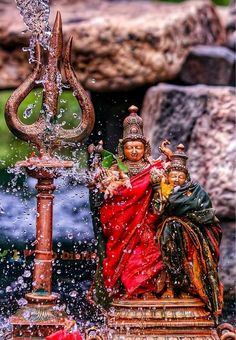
132	255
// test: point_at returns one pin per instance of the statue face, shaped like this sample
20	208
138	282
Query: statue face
176	177
134	150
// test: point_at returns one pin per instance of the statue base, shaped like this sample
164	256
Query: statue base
160	319
38	319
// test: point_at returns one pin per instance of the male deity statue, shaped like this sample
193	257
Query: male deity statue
161	234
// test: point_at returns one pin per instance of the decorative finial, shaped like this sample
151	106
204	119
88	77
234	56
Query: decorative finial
179	159
133	109
180	148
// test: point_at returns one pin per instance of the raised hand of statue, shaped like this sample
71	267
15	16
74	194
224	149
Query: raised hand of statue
95	169
107	179
111	180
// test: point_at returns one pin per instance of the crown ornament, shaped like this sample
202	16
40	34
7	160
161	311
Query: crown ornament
133	126
179	159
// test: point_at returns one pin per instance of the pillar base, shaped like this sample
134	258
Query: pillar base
37	320
161	319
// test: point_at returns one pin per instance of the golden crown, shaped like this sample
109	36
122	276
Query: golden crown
133	126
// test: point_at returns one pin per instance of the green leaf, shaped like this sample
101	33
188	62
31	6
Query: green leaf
106	153
122	166
107	161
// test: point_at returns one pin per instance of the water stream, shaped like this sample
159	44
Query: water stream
35	14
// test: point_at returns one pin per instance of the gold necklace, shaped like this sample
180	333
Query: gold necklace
135	167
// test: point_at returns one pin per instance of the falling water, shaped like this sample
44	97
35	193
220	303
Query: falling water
35	14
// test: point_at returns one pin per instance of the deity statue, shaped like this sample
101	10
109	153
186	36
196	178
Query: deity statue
160	233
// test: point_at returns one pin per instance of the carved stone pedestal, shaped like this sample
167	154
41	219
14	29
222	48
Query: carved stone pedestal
38	318
160	319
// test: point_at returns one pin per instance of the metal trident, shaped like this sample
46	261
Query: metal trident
35	133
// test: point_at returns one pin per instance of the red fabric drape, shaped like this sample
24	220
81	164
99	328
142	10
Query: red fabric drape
64	335
132	254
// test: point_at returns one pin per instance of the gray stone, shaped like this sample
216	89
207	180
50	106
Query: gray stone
210	65
203	119
227	268
117	45
231	42
231	17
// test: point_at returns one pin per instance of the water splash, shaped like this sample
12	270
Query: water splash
28	111
35	14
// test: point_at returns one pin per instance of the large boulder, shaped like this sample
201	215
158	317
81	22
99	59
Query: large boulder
203	119
202	62
117	45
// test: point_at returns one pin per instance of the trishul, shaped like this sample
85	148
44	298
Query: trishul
46	135
35	133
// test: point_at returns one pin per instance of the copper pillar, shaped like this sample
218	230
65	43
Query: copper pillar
43	253
40	317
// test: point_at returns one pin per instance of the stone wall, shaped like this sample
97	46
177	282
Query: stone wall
117	45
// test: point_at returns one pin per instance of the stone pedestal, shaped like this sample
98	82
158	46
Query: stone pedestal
160	319
37	321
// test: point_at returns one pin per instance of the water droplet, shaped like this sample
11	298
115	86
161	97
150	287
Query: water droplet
8	289
22	302
73	293
20	280
27	273
70	236
28	111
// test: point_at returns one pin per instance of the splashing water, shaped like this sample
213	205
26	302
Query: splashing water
35	14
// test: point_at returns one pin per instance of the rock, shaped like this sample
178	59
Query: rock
231	41
202	62
203	119
231	19
227	268
118	45
228	18
231	26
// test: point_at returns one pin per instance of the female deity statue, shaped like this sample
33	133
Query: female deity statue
160	230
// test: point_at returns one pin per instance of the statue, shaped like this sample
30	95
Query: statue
160	232
189	234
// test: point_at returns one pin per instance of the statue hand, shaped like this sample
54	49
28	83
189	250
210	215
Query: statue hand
156	176
165	150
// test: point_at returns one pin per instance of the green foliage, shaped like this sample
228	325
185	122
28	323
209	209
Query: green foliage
13	149
122	166
108	159
222	2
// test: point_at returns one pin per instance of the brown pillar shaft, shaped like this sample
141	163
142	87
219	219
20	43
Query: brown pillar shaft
42	276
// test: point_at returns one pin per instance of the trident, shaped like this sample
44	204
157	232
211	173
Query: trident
39	317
